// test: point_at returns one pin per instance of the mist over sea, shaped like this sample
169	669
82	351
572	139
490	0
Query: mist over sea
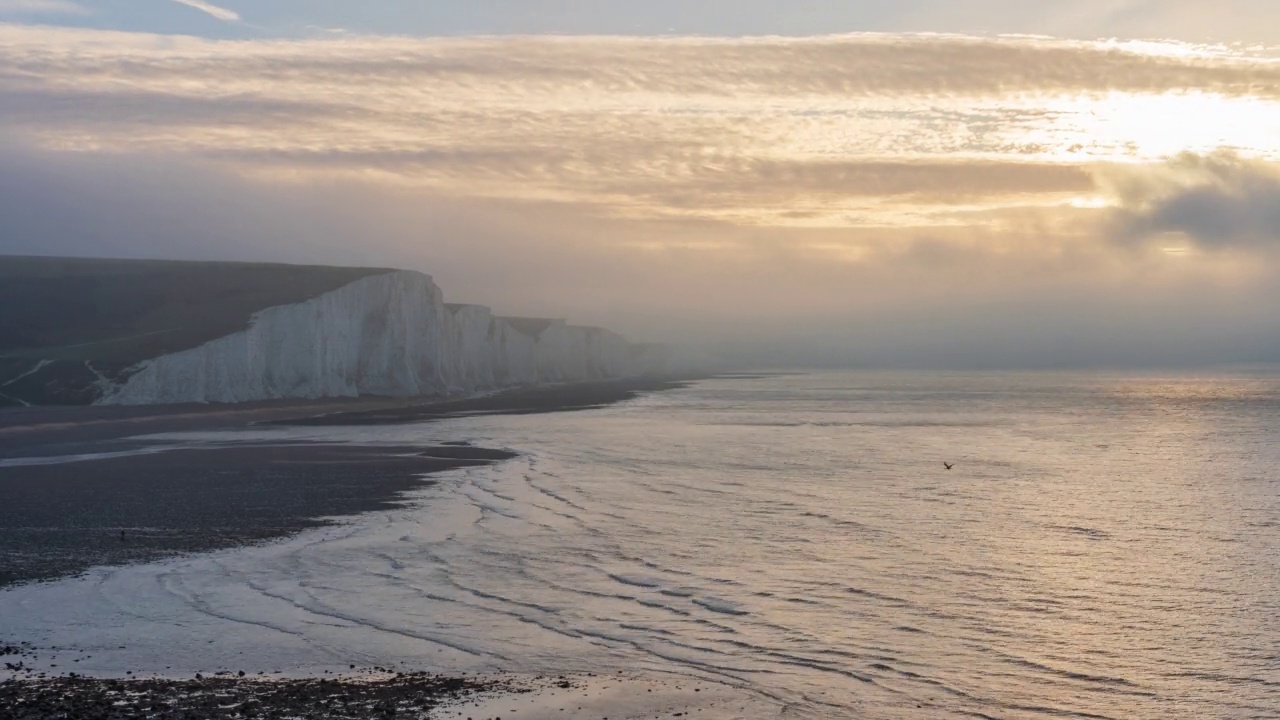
1105	546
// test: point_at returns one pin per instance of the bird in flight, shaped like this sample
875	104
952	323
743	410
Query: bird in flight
947	465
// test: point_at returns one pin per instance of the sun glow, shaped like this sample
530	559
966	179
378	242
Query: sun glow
1126	127
1091	202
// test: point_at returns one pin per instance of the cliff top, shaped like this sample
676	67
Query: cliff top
120	312
532	327
457	307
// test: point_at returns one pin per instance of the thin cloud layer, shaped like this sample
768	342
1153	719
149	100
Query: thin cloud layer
779	131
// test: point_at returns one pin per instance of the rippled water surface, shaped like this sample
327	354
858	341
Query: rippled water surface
1104	546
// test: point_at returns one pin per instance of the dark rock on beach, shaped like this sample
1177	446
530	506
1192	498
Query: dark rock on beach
400	695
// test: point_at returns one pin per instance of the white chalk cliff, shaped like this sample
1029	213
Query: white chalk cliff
389	334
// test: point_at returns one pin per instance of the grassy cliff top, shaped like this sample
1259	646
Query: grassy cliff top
125	311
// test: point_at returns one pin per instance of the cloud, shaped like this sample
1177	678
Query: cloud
881	199
1239	20
1216	201
220	13
856	130
42	7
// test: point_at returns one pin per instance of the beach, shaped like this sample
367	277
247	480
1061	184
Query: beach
376	693
126	500
85	488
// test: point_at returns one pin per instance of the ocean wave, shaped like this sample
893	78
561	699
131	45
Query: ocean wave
720	605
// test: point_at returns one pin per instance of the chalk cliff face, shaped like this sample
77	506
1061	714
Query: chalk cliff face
511	355
468	357
389	334
609	354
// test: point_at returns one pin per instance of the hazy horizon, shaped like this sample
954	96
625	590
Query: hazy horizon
916	186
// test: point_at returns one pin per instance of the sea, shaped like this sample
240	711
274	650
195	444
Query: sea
1104	545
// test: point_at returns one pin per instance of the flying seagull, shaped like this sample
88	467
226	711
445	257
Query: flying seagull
947	465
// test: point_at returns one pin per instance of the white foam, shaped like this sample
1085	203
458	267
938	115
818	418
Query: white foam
64	459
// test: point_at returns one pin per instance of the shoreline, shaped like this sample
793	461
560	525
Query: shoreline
126	500
379	693
237	695
187	501
56	429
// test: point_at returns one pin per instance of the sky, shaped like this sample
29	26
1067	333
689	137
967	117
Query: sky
987	184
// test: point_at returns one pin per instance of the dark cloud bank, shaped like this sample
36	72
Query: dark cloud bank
1218	201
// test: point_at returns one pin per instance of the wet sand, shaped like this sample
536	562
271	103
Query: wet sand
68	429
61	518
552	398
